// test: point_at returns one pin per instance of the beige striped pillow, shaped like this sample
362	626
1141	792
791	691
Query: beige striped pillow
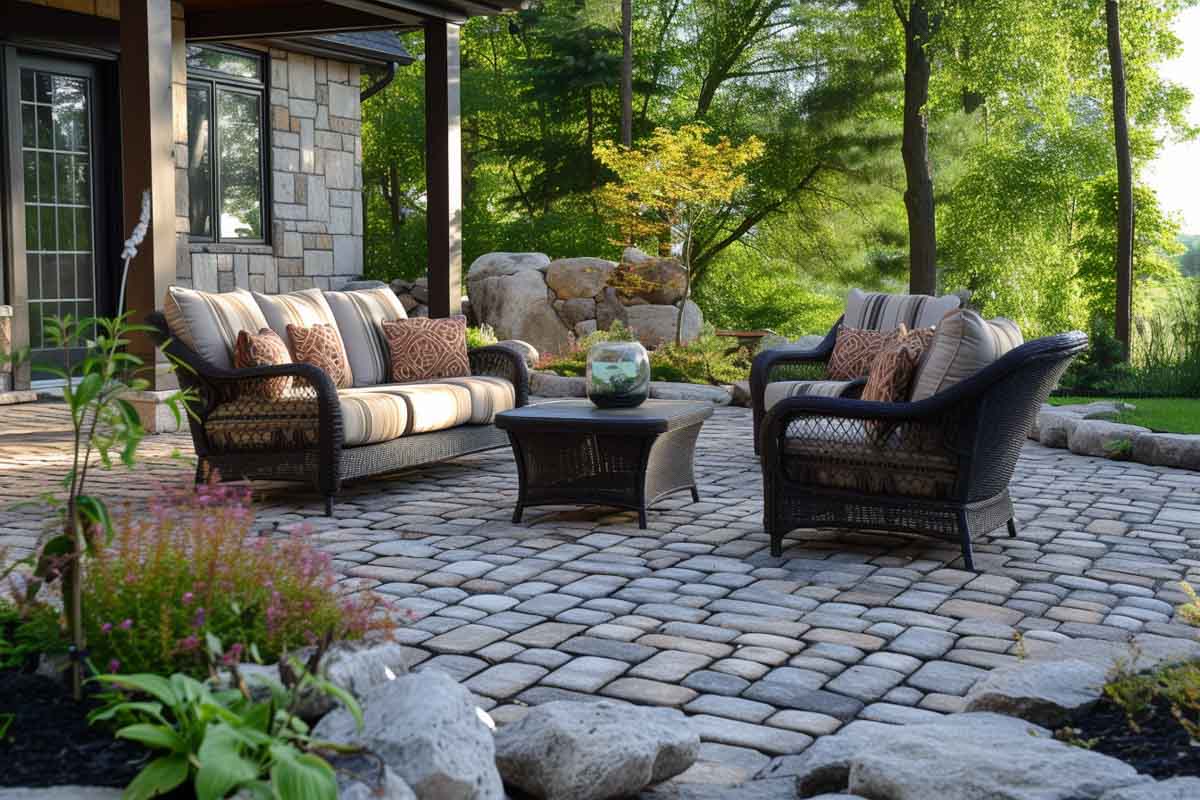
963	344
360	315
209	323
875	311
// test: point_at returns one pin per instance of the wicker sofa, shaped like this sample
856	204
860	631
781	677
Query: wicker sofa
939	466
322	435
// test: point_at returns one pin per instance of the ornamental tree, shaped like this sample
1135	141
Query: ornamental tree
674	187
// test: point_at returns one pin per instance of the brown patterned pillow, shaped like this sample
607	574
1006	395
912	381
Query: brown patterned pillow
425	349
854	350
321	346
263	349
891	375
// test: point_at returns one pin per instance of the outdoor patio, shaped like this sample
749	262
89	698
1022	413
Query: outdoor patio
764	653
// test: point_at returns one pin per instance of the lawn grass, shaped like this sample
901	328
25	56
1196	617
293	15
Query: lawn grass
1166	414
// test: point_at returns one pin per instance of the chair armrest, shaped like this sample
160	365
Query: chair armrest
769	360
502	362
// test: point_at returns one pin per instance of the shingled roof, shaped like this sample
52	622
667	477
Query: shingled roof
375	48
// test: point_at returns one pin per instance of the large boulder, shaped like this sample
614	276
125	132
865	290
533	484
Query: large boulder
594	751
356	667
1045	692
696	392
577	310
547	384
517	306
967	756
527	351
1093	437
1178	450
425	727
361	777
660	281
654	325
1170	789
1055	427
609	309
490	265
572	278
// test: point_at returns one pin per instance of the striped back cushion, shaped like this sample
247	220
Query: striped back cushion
209	323
963	344
884	312
304	309
360	315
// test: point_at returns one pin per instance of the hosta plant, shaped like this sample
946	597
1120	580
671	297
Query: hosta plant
216	735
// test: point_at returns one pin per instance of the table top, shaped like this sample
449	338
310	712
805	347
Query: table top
653	416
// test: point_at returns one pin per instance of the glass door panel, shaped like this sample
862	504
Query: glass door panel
58	158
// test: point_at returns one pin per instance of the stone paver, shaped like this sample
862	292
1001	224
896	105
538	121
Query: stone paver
763	653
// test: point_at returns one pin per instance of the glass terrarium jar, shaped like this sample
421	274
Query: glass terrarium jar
618	374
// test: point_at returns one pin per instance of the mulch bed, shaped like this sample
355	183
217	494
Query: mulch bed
1160	749
49	742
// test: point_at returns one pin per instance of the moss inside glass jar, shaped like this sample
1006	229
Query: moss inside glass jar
618	374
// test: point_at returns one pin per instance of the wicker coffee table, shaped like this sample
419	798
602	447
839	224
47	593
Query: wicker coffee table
570	452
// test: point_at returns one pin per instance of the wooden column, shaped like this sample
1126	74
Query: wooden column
443	168
147	160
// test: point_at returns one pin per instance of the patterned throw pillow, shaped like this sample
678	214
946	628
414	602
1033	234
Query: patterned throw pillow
425	349
854	351
321	346
891	375
263	349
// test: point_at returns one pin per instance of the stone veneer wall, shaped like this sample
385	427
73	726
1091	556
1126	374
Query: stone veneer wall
315	171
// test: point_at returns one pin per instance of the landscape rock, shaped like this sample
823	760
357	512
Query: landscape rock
361	777
1170	789
609	310
576	278
664	390
515	306
1178	450
1044	692
1092	437
825	766
356	667
577	310
425	727
654	325
547	384
420	290
981	755
1145	651
61	793
634	255
741	394
491	265
566	750
779	789
585	328
1054	428
664	279
528	351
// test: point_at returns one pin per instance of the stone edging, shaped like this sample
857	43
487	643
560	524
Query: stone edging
1088	430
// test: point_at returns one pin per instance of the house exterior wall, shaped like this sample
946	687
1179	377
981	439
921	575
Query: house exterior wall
315	185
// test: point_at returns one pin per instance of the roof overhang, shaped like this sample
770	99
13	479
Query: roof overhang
225	20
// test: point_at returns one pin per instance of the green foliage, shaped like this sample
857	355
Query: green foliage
222	740
480	336
1163	414
742	291
27	631
711	359
191	567
1176	687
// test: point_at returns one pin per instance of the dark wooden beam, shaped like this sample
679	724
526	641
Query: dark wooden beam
12	255
147	160
443	168
309	18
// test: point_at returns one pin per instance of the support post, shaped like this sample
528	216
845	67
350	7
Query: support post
443	168
148	163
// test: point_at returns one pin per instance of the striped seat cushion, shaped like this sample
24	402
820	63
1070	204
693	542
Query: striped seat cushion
884	312
780	390
360	315
209	323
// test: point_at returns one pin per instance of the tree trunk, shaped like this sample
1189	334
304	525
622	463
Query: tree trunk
627	73
1125	210
918	194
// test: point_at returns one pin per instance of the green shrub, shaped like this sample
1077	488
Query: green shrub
192	567
28	630
481	336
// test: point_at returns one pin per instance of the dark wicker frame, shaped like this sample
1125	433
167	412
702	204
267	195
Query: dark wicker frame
974	430
327	463
768	361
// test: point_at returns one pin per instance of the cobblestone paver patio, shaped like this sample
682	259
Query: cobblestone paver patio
764	653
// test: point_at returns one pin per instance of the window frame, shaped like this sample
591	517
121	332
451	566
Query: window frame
214	81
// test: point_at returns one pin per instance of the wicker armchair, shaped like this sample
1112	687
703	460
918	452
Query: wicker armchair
938	467
765	366
300	437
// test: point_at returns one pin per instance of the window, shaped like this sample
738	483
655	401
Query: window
226	102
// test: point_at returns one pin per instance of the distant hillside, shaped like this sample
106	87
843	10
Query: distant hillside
1189	262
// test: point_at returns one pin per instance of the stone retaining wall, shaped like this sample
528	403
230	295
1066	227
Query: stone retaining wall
1089	430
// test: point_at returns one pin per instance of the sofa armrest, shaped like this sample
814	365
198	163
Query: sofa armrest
502	362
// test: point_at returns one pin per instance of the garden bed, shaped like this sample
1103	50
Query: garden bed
1160	747
49	742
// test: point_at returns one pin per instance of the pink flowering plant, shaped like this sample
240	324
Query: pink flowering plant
192	567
